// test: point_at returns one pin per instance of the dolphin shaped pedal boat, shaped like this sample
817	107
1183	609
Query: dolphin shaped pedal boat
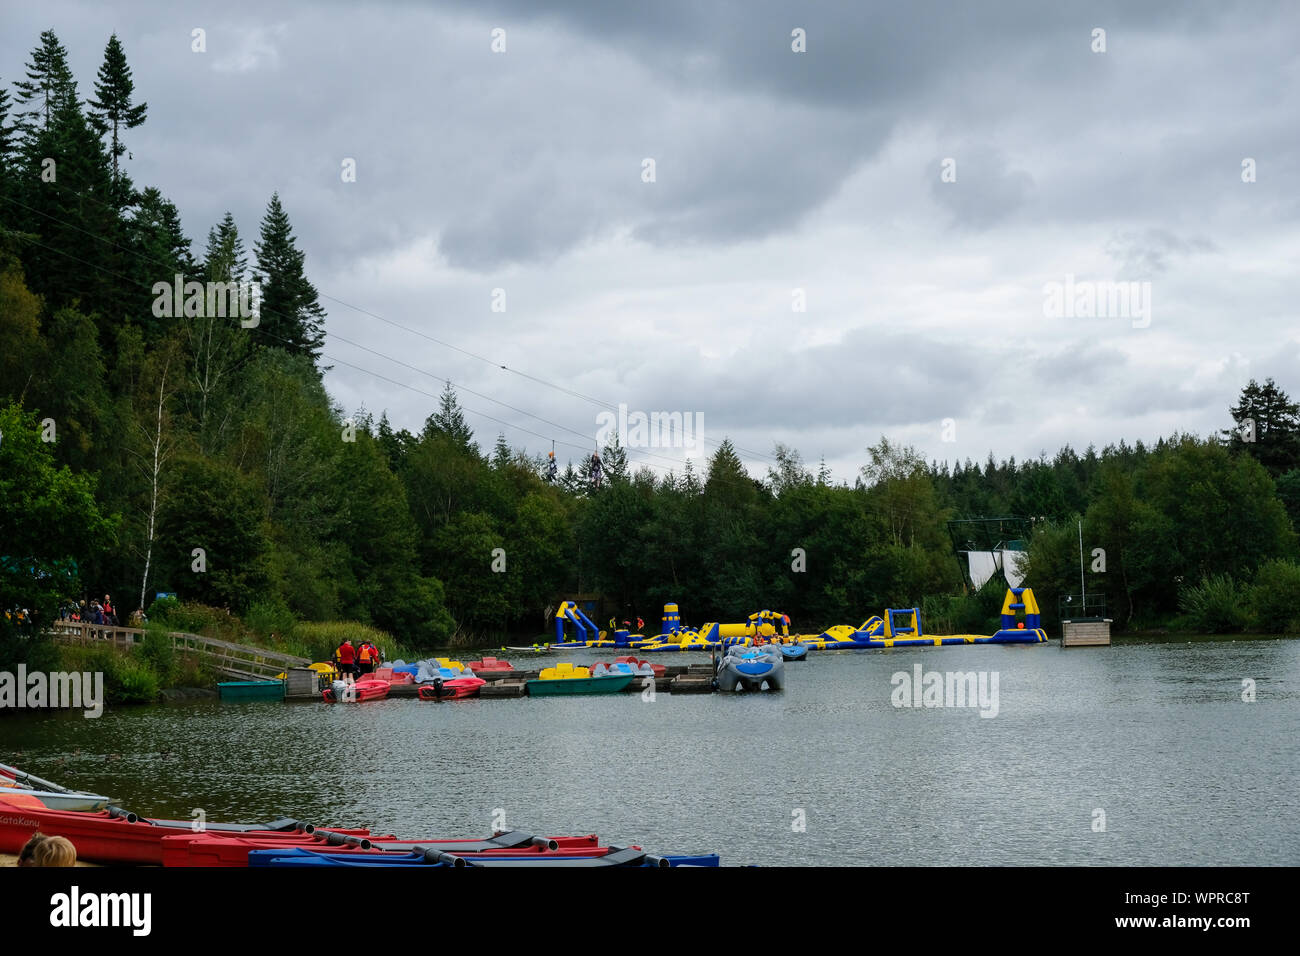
748	668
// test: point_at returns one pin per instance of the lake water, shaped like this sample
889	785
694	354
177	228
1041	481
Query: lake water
1154	735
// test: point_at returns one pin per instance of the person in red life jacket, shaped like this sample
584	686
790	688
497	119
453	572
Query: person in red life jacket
109	617
346	656
640	625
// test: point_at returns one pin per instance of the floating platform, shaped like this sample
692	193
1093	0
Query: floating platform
1085	633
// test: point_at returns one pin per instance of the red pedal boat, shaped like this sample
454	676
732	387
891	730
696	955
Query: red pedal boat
490	665
116	836
225	849
386	673
454	689
361	690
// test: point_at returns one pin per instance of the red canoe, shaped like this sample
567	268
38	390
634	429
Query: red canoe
453	689
490	665
217	849
114	836
363	689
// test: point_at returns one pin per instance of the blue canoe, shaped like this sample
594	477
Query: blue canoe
299	857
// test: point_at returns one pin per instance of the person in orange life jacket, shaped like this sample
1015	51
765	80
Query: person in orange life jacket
346	658
365	659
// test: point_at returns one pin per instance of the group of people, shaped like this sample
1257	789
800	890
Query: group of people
353	661
42	850
99	613
627	624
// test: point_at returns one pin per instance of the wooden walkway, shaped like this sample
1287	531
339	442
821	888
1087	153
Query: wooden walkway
240	661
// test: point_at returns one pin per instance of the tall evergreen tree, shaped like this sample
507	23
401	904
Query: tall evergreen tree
1268	427
7	140
224	259
111	111
449	420
162	252
501	453
291	316
613	460
49	84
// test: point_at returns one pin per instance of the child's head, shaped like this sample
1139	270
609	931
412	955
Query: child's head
26	857
56	851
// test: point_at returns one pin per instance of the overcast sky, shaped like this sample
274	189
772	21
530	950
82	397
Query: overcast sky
774	171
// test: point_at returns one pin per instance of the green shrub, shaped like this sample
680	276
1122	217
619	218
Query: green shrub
1276	596
1215	606
271	618
162	609
133	682
156	650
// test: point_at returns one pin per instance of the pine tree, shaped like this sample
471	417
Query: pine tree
49	84
224	259
449	420
8	143
217	346
111	110
291	315
162	251
8	157
613	460
1267	427
501	453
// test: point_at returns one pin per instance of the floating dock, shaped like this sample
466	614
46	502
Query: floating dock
1085	633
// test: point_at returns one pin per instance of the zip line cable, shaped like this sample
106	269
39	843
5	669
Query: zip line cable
768	459
265	334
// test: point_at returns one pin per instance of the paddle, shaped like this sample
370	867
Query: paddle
38	784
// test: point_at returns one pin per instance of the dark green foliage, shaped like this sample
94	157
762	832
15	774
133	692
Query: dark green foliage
1267	427
49	85
1215	605
111	111
291	314
49	520
1275	597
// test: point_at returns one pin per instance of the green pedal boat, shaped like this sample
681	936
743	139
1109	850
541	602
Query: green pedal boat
567	680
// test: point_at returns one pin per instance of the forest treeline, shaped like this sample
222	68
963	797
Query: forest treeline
147	449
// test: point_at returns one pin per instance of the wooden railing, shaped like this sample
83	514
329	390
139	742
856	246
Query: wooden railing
242	661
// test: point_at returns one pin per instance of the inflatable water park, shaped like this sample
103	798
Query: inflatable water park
896	627
104	833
